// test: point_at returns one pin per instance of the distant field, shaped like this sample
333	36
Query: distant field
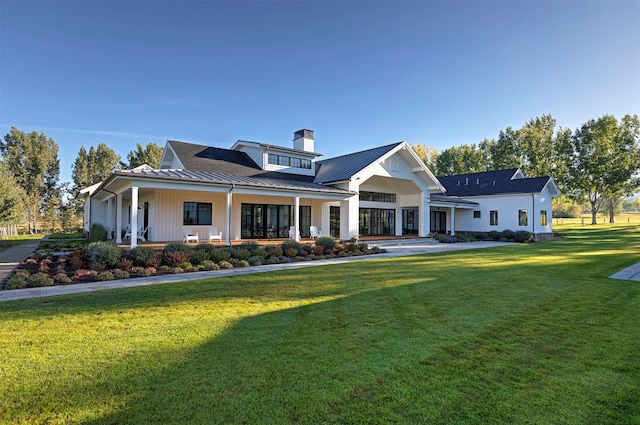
620	219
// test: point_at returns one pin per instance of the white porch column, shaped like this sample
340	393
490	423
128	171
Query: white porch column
134	217
119	218
296	219
228	219
453	220
110	218
423	213
349	216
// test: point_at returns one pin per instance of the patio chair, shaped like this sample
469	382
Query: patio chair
315	233
127	233
189	236
292	233
214	235
142	232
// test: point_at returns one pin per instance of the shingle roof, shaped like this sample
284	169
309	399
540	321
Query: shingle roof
491	183
227	179
225	161
344	167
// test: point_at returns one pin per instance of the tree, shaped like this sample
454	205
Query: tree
12	207
150	155
32	159
94	166
504	153
461	160
428	155
536	146
604	161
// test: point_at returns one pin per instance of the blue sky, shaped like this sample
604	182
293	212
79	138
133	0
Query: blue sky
360	74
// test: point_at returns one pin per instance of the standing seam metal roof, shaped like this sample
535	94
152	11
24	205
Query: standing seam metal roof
344	167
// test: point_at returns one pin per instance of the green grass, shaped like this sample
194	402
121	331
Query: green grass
530	333
17	240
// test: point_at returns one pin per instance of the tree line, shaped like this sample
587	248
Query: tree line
598	163
30	187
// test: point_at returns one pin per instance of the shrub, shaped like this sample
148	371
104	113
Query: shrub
164	268
176	247
208	265
140	255
241	254
327	243
507	234
153	262
494	235
449	239
219	255
274	251
318	250
86	273
97	233
260	252
62	277
255	260
78	259
523	236
125	264
363	246
18	280
482	236
98	267
250	245
290	244
175	258
238	263
351	247
205	247
339	247
225	264
101	277
104	252
273	260
176	270
199	256
39	279
120	274
146	272
186	265
291	252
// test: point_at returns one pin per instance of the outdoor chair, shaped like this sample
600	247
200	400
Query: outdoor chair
142	232
189	236
292	233
315	233
127	233
214	235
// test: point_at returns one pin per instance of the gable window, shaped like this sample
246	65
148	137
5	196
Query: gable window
476	214
378	197
543	218
523	218
197	213
493	218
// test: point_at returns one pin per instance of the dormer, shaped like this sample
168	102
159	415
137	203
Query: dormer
299	160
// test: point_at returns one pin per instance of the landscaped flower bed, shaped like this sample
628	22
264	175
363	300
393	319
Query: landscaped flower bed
104	261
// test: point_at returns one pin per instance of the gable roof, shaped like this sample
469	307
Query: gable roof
344	167
225	161
493	183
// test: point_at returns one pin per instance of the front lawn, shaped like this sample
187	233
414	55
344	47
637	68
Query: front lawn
528	333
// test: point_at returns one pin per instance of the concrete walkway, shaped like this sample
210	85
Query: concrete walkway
10	258
395	248
630	273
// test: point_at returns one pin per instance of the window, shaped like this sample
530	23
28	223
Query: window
196	213
296	162
523	218
476	214
284	160
378	197
543	218
273	159
306	163
493	218
288	161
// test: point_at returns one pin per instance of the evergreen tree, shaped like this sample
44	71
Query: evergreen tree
150	155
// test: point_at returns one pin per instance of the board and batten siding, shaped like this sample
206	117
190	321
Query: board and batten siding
508	207
169	211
